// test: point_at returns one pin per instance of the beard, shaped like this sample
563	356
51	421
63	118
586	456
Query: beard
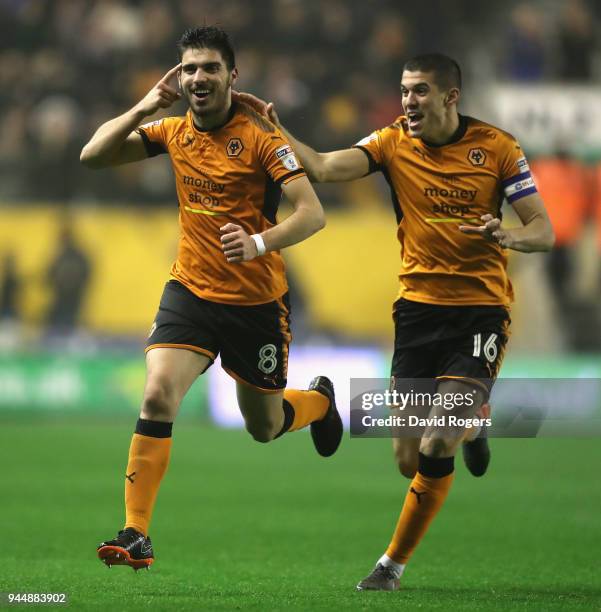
214	103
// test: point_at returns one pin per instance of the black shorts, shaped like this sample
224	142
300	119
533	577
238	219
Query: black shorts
438	342
252	340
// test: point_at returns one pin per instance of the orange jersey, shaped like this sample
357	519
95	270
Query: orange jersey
229	174
437	188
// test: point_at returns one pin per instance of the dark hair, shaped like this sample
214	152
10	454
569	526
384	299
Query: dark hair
208	37
447	73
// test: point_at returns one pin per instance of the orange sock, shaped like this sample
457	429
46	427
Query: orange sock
148	460
307	406
426	495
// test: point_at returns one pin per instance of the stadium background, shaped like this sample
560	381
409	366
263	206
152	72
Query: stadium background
84	255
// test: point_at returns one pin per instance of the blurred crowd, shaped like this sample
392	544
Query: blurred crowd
331	67
333	70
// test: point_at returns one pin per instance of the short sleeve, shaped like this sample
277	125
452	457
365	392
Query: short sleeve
154	137
372	147
516	180
278	158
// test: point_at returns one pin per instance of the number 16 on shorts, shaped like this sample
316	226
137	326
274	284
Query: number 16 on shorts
489	349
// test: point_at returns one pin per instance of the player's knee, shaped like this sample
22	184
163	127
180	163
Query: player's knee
158	401
437	447
261	432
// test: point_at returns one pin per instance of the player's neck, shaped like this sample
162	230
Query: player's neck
214	120
447	132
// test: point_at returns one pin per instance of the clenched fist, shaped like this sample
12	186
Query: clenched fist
237	245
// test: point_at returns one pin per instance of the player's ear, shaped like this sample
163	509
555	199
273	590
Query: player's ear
452	96
234	75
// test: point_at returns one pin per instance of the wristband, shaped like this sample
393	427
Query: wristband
261	250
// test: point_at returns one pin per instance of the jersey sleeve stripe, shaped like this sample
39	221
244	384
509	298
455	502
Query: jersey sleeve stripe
373	165
287	177
152	148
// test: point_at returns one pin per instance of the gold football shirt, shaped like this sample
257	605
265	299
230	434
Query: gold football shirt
229	174
437	188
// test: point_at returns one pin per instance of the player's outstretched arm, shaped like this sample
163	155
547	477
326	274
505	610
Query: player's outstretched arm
307	219
536	233
332	167
115	142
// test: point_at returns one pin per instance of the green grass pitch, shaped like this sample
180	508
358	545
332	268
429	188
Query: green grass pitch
244	526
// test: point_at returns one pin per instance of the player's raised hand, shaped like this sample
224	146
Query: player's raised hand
163	94
236	244
266	109
491	230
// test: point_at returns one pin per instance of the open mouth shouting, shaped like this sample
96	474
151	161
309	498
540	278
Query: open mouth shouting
415	119
200	94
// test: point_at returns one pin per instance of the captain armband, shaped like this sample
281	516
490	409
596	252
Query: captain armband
519	186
